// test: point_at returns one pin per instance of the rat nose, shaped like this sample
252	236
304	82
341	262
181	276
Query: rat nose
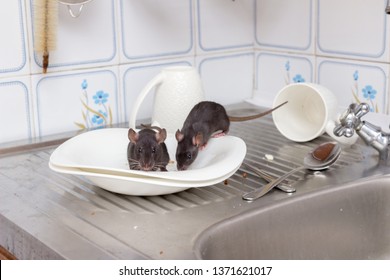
147	167
182	167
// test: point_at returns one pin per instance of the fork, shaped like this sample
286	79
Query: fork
268	177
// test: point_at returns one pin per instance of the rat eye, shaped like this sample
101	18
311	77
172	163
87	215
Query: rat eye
154	150
189	156
139	150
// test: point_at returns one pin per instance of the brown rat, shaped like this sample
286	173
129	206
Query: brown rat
146	150
202	122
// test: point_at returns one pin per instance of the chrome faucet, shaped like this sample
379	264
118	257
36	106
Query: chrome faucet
372	135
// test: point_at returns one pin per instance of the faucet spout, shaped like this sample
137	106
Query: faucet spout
376	138
350	122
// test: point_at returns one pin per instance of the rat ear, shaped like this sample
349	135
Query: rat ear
133	136
161	136
179	136
197	140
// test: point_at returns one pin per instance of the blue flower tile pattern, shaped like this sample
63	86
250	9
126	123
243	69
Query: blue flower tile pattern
298	78
100	97
98	116
368	91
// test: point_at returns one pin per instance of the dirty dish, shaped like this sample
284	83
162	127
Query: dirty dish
101	157
138	186
105	151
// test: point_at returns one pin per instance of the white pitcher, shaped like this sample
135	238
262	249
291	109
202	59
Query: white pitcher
178	90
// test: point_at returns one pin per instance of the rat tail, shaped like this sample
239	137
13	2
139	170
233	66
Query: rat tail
256	116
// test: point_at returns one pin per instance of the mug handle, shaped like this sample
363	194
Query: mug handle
133	115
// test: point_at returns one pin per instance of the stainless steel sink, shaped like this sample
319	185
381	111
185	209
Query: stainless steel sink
346	222
332	215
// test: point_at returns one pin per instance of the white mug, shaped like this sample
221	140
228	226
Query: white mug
178	90
312	110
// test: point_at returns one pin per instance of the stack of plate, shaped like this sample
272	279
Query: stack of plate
101	156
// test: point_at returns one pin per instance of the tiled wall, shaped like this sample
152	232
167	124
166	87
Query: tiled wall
342	44
243	49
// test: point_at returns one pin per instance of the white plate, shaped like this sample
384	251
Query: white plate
105	151
138	186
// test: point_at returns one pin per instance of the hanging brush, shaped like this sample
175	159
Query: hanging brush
45	28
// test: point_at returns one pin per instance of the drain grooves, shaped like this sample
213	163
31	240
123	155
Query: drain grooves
260	136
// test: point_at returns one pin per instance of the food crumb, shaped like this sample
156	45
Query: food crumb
225	182
161	252
244	175
269	157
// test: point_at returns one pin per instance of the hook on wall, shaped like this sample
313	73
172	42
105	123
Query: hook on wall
71	4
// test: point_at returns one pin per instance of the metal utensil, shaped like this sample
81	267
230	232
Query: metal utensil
73	3
311	161
283	186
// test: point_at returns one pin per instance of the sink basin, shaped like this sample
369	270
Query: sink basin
343	222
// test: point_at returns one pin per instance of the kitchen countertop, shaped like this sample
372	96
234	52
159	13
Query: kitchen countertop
48	215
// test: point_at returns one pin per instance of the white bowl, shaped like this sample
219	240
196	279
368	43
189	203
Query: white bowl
101	155
138	186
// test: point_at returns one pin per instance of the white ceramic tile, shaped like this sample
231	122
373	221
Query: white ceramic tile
355	82
135	77
15	109
152	28
353	28
227	79
73	100
13	53
225	24
89	40
275	70
285	24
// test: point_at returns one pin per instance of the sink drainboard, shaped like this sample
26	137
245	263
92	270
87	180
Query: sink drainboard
261	137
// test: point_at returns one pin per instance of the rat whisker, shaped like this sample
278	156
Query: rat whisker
160	163
135	165
161	166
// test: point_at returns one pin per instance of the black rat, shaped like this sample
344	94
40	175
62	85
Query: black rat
202	122
146	150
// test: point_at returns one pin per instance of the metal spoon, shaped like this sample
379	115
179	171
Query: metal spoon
318	159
